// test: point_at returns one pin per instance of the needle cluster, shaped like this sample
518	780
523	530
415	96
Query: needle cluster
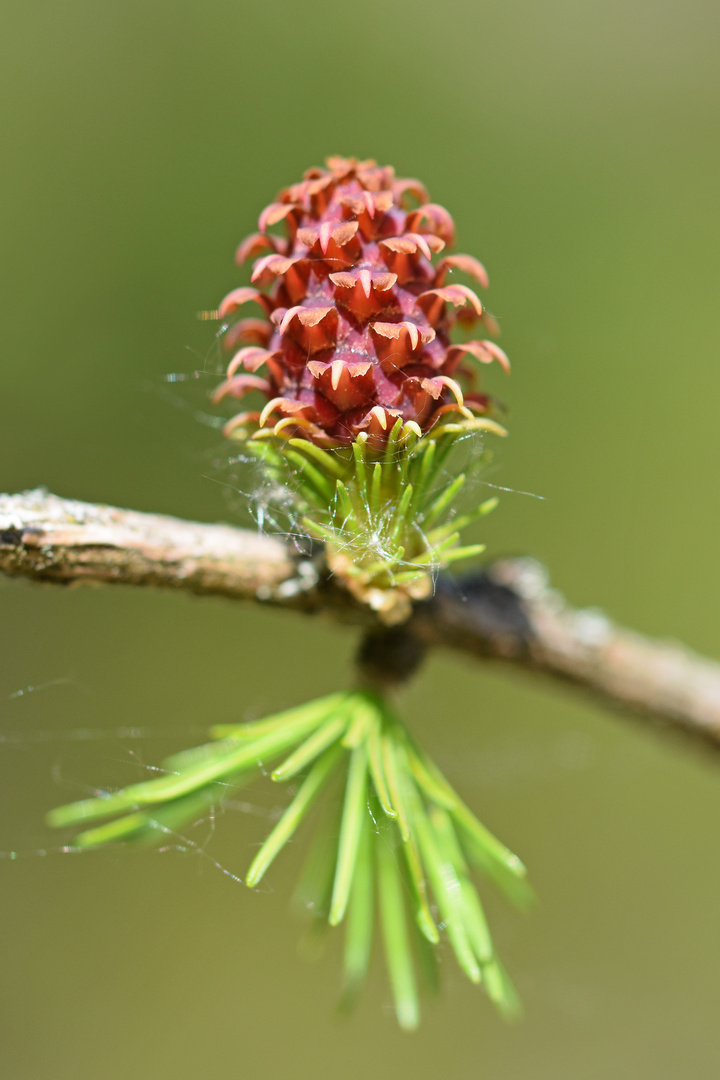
396	838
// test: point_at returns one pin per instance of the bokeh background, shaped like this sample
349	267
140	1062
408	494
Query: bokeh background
576	145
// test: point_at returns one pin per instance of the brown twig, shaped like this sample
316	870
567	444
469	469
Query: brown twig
508	613
65	541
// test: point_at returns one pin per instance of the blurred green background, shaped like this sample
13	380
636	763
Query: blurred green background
576	144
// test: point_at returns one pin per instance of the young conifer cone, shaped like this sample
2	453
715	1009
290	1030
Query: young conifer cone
357	317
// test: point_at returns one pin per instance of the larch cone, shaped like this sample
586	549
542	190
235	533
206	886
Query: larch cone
355	332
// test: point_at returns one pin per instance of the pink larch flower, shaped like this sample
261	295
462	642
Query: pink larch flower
357	317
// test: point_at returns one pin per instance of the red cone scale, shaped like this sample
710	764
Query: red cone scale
357	317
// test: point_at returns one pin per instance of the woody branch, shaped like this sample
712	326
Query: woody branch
508	612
